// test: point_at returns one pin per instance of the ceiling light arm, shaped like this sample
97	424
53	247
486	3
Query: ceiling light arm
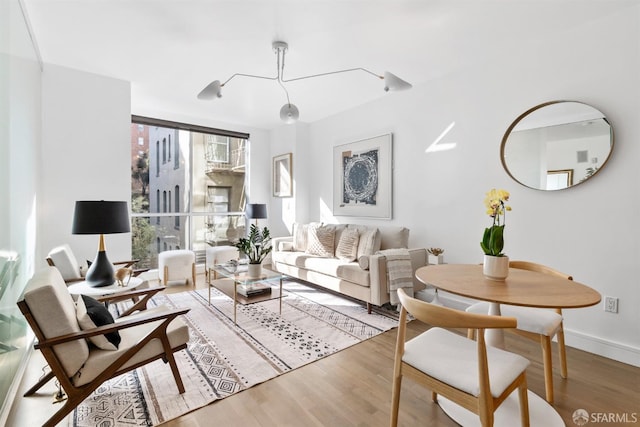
334	72
247	75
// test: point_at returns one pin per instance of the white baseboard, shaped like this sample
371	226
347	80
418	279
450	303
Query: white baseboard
606	348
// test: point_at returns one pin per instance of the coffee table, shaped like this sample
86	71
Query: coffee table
227	281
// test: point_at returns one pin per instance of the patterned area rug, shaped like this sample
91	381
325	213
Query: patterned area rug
223	359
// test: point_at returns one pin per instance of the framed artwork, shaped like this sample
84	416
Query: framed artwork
362	172
282	176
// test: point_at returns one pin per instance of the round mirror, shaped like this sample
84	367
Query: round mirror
556	145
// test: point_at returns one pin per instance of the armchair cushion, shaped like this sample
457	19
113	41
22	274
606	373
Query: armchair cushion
99	360
91	314
54	310
65	262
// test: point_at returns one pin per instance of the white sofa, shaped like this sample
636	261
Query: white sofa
363	276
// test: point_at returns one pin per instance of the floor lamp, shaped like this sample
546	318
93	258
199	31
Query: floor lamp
100	217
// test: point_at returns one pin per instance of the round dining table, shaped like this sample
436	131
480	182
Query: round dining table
523	288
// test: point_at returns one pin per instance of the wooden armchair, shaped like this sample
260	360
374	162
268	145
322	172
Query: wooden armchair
81	367
476	377
65	261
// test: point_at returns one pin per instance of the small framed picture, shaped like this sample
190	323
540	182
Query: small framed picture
282	176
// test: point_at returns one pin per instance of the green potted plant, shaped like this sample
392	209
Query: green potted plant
256	247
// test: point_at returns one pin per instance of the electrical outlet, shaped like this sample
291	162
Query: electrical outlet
611	304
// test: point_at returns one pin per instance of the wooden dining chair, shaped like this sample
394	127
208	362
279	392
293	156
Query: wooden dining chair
476	377
537	324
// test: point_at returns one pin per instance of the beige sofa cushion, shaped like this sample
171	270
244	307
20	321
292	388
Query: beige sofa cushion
394	237
369	242
54	310
347	247
320	241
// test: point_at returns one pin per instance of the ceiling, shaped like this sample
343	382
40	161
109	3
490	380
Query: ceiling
171	49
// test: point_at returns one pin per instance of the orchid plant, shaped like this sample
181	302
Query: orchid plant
493	239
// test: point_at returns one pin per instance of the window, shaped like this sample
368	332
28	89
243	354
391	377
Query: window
140	140
205	188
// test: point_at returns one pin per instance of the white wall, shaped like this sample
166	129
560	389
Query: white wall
86	139
590	231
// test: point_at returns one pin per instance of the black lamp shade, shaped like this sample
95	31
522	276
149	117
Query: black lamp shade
257	211
100	217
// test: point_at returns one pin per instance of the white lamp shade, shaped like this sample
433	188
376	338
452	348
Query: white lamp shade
212	91
289	113
393	82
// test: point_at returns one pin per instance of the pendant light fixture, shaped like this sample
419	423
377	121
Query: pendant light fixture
289	113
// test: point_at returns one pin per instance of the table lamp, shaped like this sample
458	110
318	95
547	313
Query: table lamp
100	217
256	211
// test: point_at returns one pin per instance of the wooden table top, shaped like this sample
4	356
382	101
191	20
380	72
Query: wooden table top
521	287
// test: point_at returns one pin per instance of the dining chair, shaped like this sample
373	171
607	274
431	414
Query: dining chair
538	324
470	373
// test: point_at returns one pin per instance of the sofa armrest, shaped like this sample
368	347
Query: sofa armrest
378	273
282	244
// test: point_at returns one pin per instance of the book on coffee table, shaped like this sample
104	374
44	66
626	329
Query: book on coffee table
253	289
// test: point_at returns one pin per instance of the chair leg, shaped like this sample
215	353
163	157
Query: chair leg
193	273
39	384
434	397
166	275
563	352
395	400
524	403
471	334
545	342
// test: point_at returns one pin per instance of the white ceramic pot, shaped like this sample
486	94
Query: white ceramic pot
436	259
495	267
255	270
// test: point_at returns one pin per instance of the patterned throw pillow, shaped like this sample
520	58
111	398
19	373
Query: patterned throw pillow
347	247
369	242
320	241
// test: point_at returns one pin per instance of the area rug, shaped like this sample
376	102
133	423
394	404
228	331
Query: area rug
223	358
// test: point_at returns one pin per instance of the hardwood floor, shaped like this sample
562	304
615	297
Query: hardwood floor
353	388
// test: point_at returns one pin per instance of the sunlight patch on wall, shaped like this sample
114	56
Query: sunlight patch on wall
437	146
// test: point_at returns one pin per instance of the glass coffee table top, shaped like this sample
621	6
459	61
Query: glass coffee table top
232	282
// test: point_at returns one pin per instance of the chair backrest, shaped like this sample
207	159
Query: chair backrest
51	312
532	266
63	259
445	317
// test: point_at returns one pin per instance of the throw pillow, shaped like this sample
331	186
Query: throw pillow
91	314
369	242
300	237
347	247
320	241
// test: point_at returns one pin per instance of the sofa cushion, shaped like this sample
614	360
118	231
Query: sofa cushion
394	237
300	232
347	247
320	241
92	314
353	273
369	242
54	311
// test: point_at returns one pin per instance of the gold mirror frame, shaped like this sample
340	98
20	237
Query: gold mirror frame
577	178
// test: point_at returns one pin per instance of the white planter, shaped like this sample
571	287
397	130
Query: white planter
495	267
254	270
436	259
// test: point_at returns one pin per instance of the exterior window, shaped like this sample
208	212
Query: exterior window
164	151
173	207
177	204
